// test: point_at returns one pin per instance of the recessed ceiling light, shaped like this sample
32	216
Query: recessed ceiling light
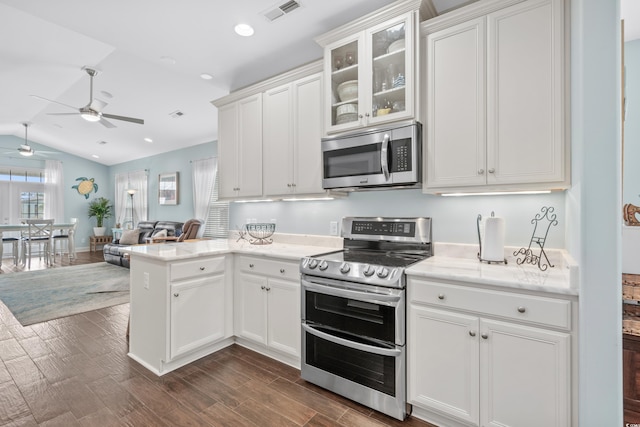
168	60
149	140
95	156
206	76
244	30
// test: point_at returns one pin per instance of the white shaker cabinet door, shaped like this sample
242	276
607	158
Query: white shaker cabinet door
278	140
250	146
228	150
456	138
251	305
443	362
284	316
525	88
524	376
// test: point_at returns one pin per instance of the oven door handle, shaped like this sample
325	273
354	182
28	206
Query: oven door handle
393	352
371	297
384	156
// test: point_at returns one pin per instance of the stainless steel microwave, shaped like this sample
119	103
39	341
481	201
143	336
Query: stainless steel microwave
381	157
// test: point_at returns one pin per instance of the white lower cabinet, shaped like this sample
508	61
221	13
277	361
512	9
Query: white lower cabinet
473	367
267	307
180	310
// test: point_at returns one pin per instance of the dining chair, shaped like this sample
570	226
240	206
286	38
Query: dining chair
39	233
15	251
63	238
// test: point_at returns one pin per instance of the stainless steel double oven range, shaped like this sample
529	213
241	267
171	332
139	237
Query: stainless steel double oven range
353	311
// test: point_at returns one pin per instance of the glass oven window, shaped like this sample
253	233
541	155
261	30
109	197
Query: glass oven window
354	161
370	370
352	316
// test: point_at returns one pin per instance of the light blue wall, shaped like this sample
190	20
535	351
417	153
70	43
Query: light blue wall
631	179
454	218
174	161
74	167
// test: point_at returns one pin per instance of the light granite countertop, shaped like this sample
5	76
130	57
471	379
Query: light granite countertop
453	262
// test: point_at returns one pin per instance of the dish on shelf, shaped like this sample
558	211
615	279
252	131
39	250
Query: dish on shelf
348	90
395	46
346	118
350	108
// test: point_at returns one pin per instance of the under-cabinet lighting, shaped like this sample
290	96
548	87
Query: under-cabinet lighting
494	193
309	199
253	201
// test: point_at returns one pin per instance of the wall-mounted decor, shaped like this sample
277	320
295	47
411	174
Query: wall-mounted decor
168	188
85	186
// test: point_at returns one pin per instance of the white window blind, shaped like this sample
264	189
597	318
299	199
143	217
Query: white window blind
218	221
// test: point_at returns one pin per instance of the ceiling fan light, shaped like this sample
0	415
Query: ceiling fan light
26	153
90	116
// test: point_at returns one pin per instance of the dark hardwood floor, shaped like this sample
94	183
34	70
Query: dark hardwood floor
75	371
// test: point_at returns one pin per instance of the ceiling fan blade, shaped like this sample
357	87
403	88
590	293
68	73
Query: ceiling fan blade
106	123
123	118
63	114
55	102
97	104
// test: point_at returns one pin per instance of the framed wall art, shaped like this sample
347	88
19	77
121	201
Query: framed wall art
168	188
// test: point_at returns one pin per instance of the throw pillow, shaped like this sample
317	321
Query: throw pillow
160	233
130	237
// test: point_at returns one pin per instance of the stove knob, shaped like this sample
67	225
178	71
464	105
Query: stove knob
313	263
323	265
344	268
383	272
368	270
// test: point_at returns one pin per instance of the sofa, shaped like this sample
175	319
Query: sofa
145	230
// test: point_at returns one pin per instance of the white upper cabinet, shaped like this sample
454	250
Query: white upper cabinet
292	131
370	69
495	98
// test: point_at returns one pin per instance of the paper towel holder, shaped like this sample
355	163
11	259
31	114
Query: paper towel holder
504	261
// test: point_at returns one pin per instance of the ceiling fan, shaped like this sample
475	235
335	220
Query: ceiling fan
92	111
25	149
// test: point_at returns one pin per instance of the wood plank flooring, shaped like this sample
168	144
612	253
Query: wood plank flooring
75	371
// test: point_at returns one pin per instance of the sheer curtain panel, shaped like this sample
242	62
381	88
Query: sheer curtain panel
53	190
204	174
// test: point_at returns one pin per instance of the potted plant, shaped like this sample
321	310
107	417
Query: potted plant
101	209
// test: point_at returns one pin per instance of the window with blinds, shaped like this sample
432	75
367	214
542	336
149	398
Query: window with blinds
218	220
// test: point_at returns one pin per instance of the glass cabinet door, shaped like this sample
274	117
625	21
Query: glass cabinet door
344	62
389	74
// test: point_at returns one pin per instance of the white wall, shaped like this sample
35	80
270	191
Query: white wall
594	202
631	178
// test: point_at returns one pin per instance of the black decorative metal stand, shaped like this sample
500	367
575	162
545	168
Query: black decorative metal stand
542	222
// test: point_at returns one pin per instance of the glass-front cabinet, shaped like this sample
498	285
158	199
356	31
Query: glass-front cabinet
372	75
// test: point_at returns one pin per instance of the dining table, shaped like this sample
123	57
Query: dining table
69	227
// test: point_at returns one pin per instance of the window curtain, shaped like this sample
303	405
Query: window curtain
137	181
53	190
204	174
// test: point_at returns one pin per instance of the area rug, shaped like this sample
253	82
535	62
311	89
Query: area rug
38	296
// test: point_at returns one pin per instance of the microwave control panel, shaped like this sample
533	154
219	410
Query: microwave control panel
401	155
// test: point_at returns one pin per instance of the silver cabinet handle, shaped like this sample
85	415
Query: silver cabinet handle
484	336
384	156
472	333
492	170
522	309
282	270
481	172
201	268
440	296
176	294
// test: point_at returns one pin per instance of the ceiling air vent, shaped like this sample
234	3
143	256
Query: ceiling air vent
276	12
176	114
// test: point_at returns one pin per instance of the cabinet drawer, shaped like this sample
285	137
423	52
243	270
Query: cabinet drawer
197	267
269	267
526	308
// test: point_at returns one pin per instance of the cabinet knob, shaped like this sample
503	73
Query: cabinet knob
176	294
366	114
263	287
492	170
201	268
472	333
282	270
293	184
360	116
440	296
268	289
484	336
481	172
250	265
522	309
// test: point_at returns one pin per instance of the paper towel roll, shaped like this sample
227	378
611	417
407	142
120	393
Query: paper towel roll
493	239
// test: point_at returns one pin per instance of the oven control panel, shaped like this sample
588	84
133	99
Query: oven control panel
414	230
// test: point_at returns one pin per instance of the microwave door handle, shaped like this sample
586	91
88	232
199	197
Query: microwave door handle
352	344
384	156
